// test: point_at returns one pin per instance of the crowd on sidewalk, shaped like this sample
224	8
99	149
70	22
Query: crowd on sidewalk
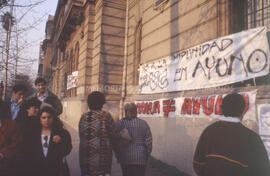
34	141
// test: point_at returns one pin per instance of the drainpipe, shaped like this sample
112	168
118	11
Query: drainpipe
124	79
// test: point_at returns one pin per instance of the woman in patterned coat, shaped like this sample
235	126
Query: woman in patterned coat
96	129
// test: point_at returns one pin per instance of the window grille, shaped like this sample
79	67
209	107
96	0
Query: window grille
258	13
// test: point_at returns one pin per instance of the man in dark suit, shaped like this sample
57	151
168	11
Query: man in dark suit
14	106
46	96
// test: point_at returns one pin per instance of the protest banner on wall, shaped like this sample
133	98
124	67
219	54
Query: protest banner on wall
72	80
218	62
197	106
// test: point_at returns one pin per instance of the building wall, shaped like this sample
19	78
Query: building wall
151	35
177	26
100	57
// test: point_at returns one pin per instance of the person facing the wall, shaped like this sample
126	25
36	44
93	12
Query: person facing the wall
134	156
229	148
96	131
46	96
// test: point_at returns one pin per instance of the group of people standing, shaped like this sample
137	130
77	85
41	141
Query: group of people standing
33	140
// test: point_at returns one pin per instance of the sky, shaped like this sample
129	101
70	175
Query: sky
34	20
37	34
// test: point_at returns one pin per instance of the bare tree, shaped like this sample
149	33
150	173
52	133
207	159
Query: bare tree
15	59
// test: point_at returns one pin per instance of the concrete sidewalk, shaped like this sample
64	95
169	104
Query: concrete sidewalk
73	158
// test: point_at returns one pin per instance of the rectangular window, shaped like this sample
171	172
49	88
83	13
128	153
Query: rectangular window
258	13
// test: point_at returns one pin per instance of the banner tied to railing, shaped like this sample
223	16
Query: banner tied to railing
218	62
193	107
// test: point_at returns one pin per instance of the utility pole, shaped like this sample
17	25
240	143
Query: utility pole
17	54
7	49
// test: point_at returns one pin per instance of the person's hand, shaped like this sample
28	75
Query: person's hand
56	139
20	101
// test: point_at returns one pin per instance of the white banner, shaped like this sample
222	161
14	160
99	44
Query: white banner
72	80
197	106
218	62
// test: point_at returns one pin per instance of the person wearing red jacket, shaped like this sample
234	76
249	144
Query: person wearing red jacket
10	140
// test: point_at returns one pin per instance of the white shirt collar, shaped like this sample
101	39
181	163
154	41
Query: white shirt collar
230	119
42	98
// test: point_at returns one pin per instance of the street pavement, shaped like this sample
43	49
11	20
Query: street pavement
73	158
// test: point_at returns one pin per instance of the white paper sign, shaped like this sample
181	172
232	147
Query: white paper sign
72	80
218	62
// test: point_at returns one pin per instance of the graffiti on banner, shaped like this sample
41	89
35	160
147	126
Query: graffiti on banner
201	106
221	61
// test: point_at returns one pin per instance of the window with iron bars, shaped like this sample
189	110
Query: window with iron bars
247	14
258	14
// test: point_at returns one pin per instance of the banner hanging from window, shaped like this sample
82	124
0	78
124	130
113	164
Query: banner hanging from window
218	62
196	107
72	80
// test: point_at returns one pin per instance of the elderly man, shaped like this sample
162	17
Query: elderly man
133	158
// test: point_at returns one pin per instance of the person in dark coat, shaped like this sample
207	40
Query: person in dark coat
50	145
10	142
228	148
46	96
15	110
28	128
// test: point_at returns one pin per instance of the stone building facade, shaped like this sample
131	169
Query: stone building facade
106	41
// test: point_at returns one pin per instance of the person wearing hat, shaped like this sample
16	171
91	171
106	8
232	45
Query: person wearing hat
229	148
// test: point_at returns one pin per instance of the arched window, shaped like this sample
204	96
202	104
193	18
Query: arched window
137	52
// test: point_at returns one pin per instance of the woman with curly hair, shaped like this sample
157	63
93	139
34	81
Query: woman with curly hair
50	145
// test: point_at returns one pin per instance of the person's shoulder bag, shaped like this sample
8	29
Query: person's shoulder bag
123	137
